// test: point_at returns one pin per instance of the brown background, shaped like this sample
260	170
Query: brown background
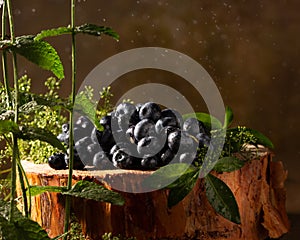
250	48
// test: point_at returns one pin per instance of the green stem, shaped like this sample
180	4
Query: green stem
4	58
71	153
16	103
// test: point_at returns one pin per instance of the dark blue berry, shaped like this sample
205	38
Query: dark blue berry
193	126
174	140
100	160
143	129
149	146
65	127
57	161
151	111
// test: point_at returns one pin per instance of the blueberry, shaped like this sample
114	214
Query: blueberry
173	114
65	127
204	139
187	143
130	134
114	149
162	123
149	146
100	160
174	141
150	163
125	115
166	156
187	157
85	123
143	129
106	121
107	140
83	142
77	163
57	161
93	148
62	137
151	111
96	136
193	126
123	160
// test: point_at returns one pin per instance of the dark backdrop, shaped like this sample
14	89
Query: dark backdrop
250	48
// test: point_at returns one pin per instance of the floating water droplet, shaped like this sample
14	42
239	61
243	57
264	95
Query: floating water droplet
17	12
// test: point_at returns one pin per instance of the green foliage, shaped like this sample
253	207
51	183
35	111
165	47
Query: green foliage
48	118
228	117
39	52
237	141
221	198
109	236
87	28
75	232
36	190
20	227
94	191
209	121
228	164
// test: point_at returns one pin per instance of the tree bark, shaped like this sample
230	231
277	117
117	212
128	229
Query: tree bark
258	188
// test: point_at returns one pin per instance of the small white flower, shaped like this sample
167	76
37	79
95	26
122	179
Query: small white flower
1	3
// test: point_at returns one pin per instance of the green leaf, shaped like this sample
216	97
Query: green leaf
209	121
53	32
261	138
20	228
228	164
96	30
40	53
87	28
221	198
7	126
33	133
94	191
228	117
36	190
85	106
178	193
166	175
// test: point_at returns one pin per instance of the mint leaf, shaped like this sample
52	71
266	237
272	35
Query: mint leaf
221	198
96	30
20	228
228	164
87	28
53	32
165	175
209	121
179	192
85	106
228	117
7	126
40	53
33	133
36	190
94	191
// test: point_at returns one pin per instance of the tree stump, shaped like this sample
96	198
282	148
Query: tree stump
258	188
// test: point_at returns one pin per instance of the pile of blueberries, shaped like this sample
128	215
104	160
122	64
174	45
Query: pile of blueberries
141	136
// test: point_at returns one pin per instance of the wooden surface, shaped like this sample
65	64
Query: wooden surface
258	188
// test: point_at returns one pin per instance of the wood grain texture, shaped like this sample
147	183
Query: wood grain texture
258	188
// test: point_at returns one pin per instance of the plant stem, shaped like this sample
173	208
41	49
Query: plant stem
16	106
71	153
4	58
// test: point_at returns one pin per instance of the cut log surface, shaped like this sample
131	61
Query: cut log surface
258	188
